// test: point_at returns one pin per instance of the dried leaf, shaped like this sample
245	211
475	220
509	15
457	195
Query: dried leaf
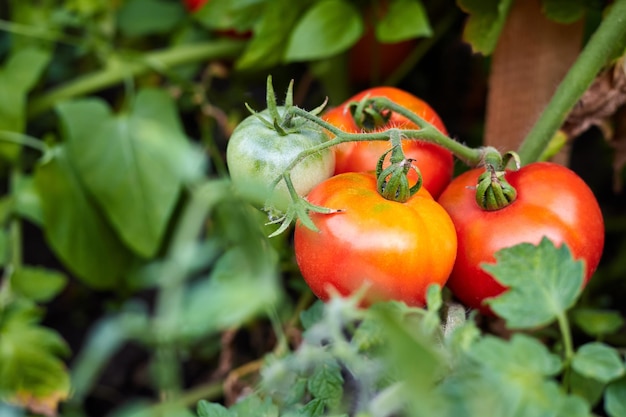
600	102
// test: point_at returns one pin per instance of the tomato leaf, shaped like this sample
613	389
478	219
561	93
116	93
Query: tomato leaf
73	226
588	388
486	20
27	203
253	406
564	11
597	323
207	409
615	398
240	15
598	361
133	164
270	35
37	284
326	383
544	281
509	378
148	17
17	77
327	28
32	373
393	26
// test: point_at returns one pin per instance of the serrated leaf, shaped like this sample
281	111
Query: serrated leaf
598	361
393	26
485	22
147	17
597	322
314	408
615	398
312	315
133	164
543	281
326	383
37	284
522	357
32	373
270	35
327	28
74	228
207	409
564	11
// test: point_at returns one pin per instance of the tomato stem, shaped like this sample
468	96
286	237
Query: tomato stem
610	35
568	348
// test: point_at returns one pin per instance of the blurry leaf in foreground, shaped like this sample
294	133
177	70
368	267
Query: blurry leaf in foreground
32	374
598	361
147	17
564	11
544	282
509	378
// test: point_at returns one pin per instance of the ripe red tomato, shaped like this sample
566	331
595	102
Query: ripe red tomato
435	162
399	249
552	201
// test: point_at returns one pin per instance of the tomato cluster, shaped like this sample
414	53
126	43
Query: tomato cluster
396	248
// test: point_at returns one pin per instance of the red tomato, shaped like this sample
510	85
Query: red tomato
435	162
398	249
552	201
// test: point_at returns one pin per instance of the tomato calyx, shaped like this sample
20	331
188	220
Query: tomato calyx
493	192
392	182
367	115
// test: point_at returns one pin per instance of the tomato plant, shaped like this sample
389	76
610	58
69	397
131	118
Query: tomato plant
258	153
552	201
398	249
435	162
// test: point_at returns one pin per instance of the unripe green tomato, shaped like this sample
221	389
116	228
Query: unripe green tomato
257	155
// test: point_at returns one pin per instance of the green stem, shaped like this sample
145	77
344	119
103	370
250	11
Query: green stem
599	49
159	60
568	347
23	140
171	284
15	239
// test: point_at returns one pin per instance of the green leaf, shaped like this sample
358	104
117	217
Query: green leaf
31	369
615	398
147	17
544	281
584	387
240	15
564	11
73	226
328	28
38	284
27	202
19	74
314	408
597	323
393	26
598	361
4	247
245	277
207	409
486	20
312	315
509	379
270	35
253	406
134	165
326	383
